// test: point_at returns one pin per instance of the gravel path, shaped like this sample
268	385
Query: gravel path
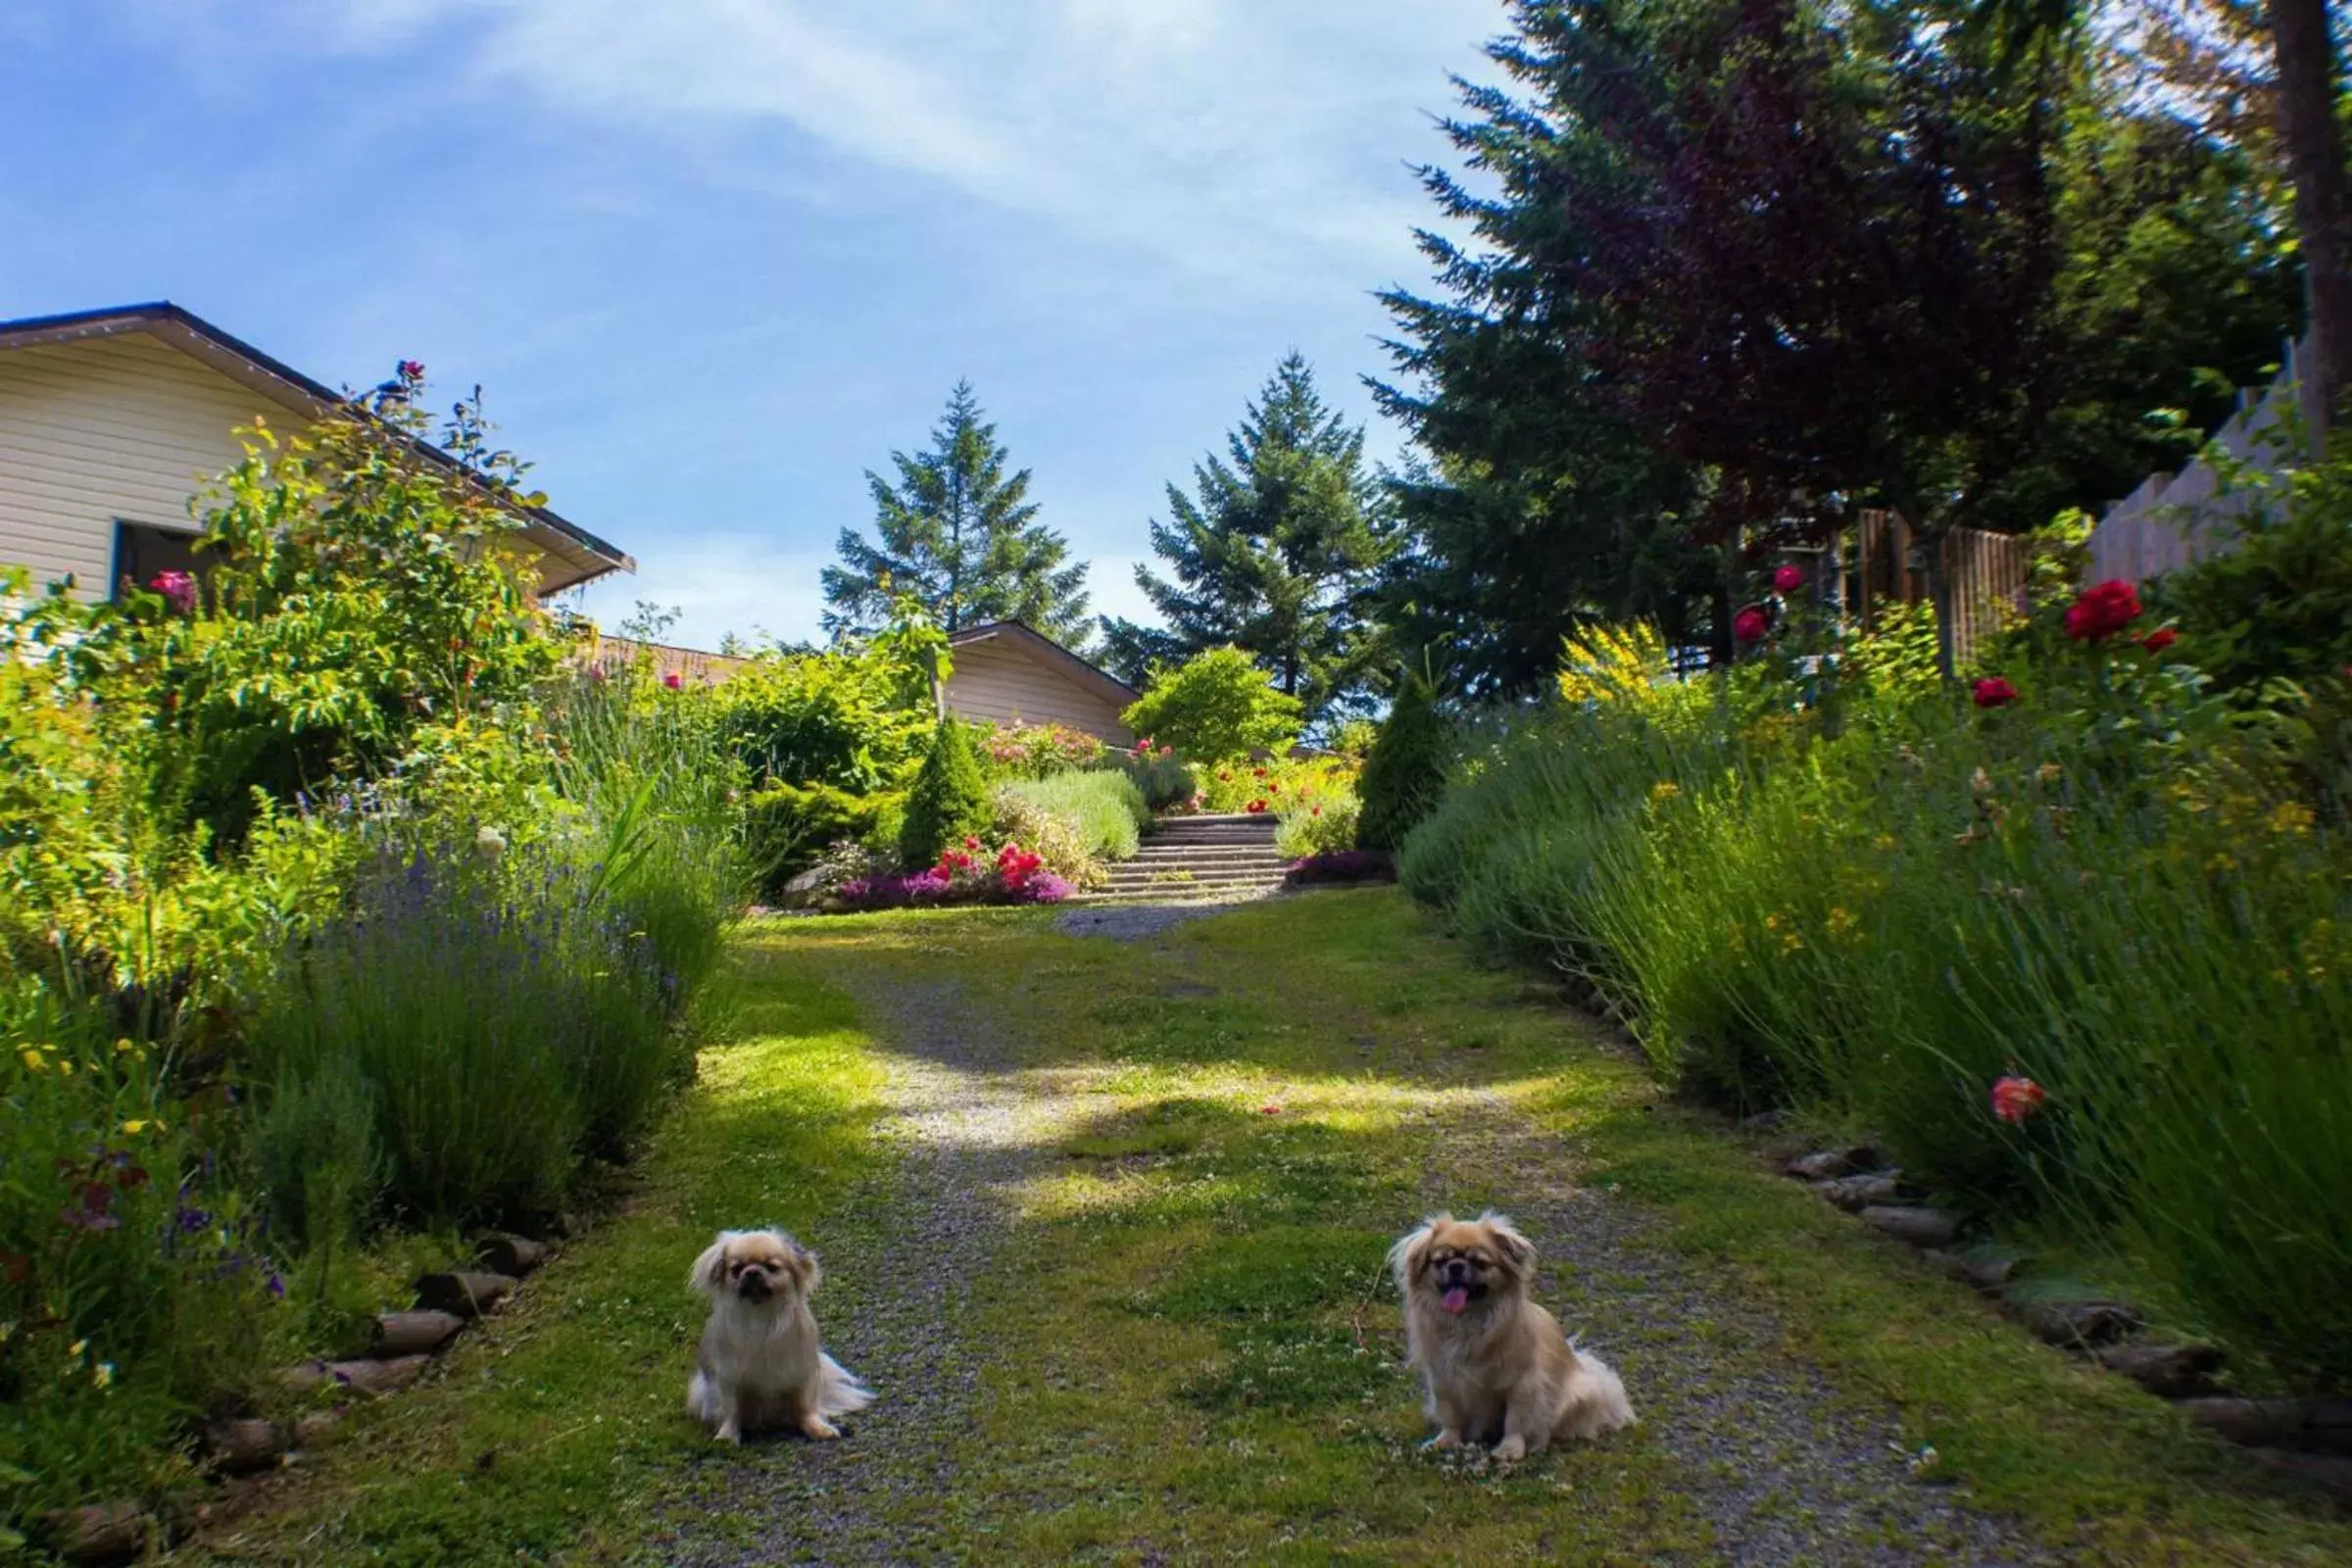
899	1260
1784	1471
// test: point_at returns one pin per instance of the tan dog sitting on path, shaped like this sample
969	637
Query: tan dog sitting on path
1496	1367
759	1366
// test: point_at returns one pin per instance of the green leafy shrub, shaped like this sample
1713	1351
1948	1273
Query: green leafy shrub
948	800
2276	601
2088	872
840	722
1163	778
1215	706
1104	807
1405	773
787	827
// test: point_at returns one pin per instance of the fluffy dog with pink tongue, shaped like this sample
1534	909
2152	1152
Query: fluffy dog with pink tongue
1496	1367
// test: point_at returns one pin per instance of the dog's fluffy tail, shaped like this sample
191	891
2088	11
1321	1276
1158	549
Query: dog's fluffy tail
838	1390
1597	1403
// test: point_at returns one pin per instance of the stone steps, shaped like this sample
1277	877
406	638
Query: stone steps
1197	860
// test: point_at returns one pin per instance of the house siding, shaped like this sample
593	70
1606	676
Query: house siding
995	681
112	430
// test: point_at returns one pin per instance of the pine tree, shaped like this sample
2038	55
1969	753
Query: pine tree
1275	553
961	535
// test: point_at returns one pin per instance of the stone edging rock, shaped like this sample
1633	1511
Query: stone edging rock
401	1345
2311	1439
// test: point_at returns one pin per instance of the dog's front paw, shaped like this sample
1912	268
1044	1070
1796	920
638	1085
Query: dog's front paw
1512	1446
818	1428
729	1433
1447	1439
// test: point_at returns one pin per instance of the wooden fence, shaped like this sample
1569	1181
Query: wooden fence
1987	572
2173	520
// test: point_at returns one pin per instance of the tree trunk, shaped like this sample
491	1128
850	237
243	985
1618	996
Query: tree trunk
2306	60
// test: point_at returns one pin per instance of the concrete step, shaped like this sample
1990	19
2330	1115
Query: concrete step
1205	853
1181	879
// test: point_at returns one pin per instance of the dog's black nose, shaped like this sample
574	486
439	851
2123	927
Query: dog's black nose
753	1286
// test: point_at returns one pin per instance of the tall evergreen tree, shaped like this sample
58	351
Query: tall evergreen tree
961	535
1275	553
1734	268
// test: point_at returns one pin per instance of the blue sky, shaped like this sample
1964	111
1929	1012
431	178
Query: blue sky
714	259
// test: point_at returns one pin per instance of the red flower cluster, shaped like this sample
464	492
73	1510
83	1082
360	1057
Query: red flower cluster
1257	773
1993	692
2102	612
2157	641
673	681
412	370
1256	807
177	588
1787	579
2014	1099
1750	624
951	861
1016	865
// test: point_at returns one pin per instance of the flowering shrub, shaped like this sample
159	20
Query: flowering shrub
2102	612
965	875
1038	751
1992	692
232	1049
2075	881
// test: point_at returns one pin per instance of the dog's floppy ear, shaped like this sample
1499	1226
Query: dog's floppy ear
1411	1256
804	1266
709	1272
1517	1250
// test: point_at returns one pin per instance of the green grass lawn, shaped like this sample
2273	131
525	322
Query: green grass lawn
1187	1346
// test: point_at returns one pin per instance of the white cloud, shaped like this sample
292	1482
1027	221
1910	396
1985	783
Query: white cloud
1235	137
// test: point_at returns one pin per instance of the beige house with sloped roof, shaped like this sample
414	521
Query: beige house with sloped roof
1002	672
112	420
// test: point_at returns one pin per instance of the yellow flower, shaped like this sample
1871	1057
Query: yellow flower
133	1127
77	1347
1664	789
1884	840
124	1044
66	1069
34	1062
1791	943
2290	816
1840	921
103	1375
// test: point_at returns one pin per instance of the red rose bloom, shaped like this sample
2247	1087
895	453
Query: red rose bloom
2102	612
1789	579
2014	1099
1750	624
178	590
2157	641
1995	692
